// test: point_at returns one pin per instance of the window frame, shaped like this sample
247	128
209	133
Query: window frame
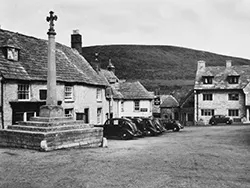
207	112
26	92
207	80
41	94
136	105
207	96
233	79
68	94
233	112
69	111
122	106
99	116
233	96
99	95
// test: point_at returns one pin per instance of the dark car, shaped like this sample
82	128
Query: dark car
120	127
151	127
170	124
158	125
220	119
140	125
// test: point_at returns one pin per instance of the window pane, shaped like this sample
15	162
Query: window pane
23	91
137	105
68	93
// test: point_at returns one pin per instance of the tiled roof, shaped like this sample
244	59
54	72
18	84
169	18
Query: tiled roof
32	64
116	93
134	90
220	77
109	76
169	102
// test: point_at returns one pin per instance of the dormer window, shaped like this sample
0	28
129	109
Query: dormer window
207	79
233	79
12	54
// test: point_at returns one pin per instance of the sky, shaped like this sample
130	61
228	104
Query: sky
219	26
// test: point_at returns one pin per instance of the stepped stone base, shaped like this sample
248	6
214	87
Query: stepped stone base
45	135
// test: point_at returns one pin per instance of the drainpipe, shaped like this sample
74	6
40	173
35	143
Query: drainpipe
197	104
2	119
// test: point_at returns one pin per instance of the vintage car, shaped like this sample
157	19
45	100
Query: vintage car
151	127
158	125
220	119
140	125
120	127
170	124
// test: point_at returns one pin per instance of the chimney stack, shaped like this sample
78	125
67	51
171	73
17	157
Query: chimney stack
111	67
228	63
96	64
201	65
76	41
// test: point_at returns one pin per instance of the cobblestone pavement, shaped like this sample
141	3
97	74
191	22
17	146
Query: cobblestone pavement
199	157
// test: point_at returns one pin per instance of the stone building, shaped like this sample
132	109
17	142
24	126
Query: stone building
221	90
125	99
23	68
169	108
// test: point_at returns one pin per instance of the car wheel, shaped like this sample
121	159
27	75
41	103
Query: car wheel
176	129
228	122
124	135
213	123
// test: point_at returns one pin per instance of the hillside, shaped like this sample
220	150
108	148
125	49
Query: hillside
164	68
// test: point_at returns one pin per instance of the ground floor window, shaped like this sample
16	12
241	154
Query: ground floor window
80	116
68	112
233	112
99	115
83	115
207	112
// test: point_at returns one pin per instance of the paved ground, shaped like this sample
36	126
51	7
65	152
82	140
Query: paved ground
195	157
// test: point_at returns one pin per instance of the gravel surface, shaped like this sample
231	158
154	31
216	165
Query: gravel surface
199	157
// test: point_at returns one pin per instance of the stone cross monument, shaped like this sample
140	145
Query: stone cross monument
51	109
51	129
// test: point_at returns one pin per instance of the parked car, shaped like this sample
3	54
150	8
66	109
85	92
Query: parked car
170	124
120	127
158	125
220	119
140	125
151	127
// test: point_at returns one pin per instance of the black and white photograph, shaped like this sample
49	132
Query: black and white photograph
125	94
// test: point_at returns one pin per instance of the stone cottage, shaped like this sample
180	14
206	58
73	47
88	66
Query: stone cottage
222	90
125	99
23	68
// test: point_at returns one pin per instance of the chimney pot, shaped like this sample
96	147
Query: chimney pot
228	63
76	31
201	65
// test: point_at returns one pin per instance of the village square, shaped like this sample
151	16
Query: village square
70	122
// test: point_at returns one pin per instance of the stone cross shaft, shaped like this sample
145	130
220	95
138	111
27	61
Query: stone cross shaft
51	77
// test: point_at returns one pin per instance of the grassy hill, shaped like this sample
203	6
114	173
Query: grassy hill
163	68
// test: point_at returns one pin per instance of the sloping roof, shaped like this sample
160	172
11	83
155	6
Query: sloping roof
169	102
134	90
116	93
220	74
32	64
109	76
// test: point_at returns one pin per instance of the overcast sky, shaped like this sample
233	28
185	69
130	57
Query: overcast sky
220	26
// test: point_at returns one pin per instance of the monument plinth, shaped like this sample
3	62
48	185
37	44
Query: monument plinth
51	129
